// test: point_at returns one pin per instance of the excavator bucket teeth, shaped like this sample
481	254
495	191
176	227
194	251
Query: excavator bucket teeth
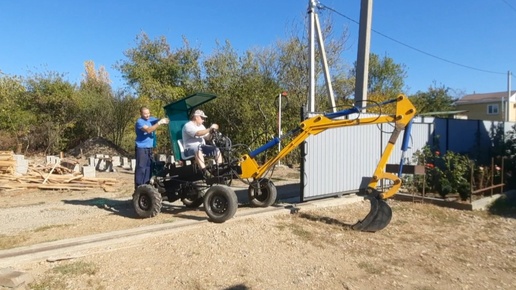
378	217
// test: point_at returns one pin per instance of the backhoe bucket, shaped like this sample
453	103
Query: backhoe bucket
378	217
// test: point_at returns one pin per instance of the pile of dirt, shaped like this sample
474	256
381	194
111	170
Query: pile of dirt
98	145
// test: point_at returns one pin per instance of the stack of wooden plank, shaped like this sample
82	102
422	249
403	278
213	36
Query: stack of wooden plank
7	162
53	177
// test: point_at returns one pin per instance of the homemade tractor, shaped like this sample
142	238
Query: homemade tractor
184	181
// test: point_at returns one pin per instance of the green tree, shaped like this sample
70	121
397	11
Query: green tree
125	111
95	99
436	99
153	70
15	116
385	77
245	107
53	101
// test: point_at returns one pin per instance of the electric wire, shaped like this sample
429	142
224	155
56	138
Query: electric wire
509	4
322	6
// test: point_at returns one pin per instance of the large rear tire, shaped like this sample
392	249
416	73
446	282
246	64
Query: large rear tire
147	201
220	203
262	193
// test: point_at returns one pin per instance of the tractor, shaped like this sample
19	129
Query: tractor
182	179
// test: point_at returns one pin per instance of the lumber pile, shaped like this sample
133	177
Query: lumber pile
7	162
49	177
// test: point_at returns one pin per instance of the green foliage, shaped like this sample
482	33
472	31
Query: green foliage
436	99
15	116
53	101
385	77
153	70
445	174
504	148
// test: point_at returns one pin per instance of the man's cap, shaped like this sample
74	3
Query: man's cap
200	113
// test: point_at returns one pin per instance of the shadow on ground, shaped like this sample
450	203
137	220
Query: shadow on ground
125	208
504	206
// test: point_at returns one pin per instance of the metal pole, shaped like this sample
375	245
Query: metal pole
279	125
327	77
508	118
311	97
364	44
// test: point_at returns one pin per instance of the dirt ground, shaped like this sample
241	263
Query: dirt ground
424	247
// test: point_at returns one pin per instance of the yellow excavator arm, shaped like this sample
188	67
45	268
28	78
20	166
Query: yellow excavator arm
404	113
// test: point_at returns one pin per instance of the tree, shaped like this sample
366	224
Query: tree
153	70
436	99
53	101
95	98
385	77
125	111
15	116
245	104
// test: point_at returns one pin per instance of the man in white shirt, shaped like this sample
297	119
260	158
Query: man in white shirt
194	135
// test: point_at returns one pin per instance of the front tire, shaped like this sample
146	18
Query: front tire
220	203
147	201
262	193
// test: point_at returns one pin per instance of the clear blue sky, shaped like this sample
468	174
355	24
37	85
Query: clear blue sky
60	35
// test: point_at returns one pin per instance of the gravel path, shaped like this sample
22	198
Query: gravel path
424	247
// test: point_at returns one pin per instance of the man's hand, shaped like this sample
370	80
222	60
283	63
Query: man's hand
163	121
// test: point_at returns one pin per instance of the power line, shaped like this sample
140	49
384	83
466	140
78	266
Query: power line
414	48
509	4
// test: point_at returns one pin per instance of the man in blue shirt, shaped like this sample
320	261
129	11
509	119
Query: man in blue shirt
145	128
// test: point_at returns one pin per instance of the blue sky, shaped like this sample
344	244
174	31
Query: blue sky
60	35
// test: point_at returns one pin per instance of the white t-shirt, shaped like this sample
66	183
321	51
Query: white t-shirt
190	141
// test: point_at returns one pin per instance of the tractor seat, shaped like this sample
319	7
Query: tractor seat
184	156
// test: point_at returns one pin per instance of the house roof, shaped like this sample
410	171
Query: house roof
485	98
458	112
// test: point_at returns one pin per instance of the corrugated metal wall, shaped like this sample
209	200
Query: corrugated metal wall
342	160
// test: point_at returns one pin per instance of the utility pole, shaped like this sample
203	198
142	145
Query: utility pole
364	46
508	118
316	27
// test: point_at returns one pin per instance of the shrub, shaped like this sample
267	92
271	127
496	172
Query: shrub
445	174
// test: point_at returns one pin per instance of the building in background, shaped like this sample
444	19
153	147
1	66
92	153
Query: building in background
489	106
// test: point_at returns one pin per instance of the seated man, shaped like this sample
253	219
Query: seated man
194	135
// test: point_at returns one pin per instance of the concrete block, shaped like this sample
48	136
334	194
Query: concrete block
104	164
53	160
115	160
19	157
22	166
91	161
133	164
12	279
88	171
99	155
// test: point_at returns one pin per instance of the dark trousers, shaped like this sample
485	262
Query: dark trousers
142	172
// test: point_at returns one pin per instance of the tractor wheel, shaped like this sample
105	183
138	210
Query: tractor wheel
220	203
147	201
262	193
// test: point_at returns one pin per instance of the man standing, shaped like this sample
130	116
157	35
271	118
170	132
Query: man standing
145	128
194	134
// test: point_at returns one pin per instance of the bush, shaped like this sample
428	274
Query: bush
445	174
